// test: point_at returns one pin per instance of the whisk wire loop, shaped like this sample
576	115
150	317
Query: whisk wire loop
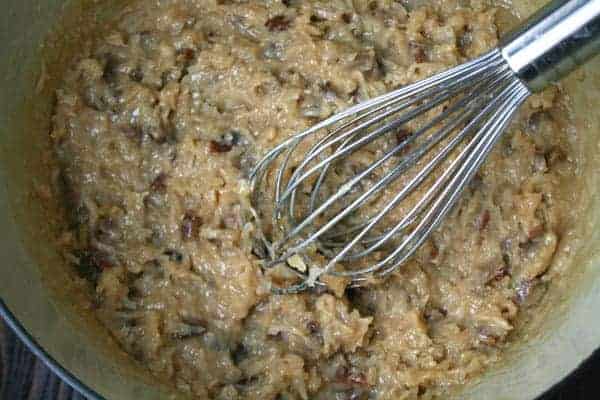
334	222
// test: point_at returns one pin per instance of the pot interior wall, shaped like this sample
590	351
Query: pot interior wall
37	286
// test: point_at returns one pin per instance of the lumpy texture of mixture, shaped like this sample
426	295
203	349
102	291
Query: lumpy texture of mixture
160	119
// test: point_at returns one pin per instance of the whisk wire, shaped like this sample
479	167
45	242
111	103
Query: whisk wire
513	96
394	173
478	99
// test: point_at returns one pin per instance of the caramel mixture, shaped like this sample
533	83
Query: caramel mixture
156	127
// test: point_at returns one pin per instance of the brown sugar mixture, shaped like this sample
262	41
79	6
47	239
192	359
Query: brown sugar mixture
158	123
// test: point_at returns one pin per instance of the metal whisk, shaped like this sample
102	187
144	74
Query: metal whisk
328	222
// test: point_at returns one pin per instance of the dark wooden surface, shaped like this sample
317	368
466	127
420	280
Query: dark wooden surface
23	377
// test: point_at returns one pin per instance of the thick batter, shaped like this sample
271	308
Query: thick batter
157	125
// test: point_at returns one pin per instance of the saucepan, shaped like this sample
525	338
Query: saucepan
41	301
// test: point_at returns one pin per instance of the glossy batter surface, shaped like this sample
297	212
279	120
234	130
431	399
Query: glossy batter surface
159	121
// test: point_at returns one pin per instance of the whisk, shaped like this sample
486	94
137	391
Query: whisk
324	222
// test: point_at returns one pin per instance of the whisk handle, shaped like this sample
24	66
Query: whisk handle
554	41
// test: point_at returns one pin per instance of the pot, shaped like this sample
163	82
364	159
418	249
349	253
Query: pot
41	302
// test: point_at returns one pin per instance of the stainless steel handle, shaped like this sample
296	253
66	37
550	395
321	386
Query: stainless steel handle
554	41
